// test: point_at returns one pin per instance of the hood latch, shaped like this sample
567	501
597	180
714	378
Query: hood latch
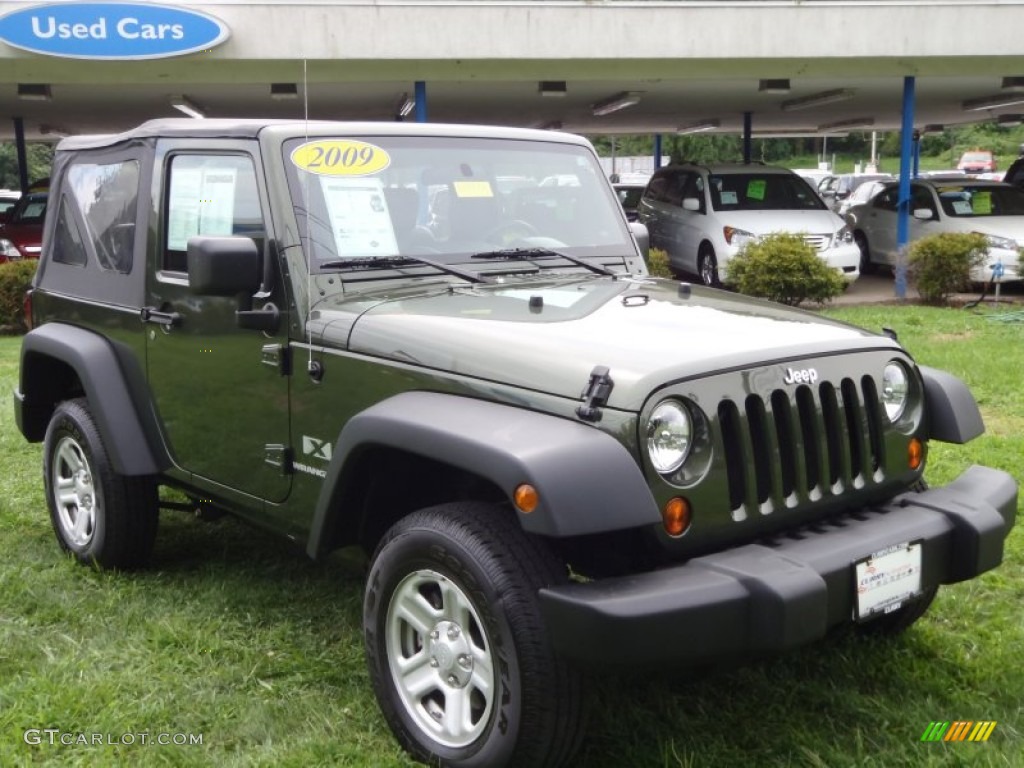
595	394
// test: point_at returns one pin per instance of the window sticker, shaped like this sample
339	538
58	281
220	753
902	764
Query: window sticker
962	208
982	203
729	197
359	217
340	158
755	189
202	203
473	189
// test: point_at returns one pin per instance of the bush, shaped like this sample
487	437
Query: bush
783	267
940	265
15	279
657	264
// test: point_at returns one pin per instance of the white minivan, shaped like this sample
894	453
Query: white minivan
701	215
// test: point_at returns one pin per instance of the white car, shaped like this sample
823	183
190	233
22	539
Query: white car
702	215
992	208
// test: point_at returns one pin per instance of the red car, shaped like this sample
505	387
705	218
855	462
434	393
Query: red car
21	234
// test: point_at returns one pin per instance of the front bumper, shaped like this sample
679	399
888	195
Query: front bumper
776	595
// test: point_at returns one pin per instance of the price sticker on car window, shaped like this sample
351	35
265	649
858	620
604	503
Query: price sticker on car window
473	189
340	157
755	189
981	203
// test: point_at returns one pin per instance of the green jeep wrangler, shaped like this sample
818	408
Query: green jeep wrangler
440	343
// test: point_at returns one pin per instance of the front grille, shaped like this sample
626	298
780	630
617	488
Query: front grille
801	445
817	242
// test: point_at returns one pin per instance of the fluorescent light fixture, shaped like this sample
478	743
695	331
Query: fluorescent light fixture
853	122
1010	121
794	133
1013	84
773	86
405	105
34	91
617	102
993	102
700	126
933	128
818	99
182	104
554	88
283	91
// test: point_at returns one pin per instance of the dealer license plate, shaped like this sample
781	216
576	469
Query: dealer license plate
885	580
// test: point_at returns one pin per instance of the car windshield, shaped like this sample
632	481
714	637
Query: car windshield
969	201
767	191
30	209
449	198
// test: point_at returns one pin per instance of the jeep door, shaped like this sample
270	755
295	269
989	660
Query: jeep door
219	389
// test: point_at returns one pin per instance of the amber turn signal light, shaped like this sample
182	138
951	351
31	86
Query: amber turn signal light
526	498
915	453
675	516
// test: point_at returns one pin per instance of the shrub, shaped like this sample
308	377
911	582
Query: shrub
657	264
15	279
940	265
783	267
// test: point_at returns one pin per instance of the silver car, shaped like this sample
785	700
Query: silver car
703	215
991	208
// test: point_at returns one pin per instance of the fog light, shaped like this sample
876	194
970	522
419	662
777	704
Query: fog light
675	516
915	453
526	498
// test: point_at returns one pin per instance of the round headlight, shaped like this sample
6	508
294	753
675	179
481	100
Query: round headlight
669	436
895	386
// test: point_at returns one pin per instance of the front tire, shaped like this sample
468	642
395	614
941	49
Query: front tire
866	265
457	650
707	267
98	515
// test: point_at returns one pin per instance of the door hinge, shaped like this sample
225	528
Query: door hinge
277	455
277	356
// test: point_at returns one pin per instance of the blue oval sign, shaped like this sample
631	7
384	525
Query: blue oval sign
111	30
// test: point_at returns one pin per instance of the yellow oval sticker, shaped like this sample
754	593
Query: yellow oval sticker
341	157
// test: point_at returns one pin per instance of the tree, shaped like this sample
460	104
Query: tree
40	160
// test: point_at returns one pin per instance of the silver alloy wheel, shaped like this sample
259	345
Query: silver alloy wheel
74	492
708	269
439	655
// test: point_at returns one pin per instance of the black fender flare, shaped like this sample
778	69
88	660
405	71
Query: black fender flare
586	479
114	385
953	415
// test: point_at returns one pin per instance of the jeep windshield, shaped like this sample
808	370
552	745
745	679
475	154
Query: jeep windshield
448	198
762	191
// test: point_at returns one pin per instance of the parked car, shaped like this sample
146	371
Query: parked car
835	189
629	194
992	208
977	161
701	215
1015	173
8	199
21	232
861	194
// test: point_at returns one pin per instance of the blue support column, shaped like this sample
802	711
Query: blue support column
657	151
421	101
903	206
19	148
748	122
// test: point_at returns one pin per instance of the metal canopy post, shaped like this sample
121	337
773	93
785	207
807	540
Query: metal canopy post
903	206
748	121
421	101
657	151
19	145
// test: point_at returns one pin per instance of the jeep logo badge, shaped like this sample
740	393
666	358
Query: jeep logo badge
802	376
318	449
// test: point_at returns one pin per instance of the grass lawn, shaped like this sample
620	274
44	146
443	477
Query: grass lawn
235	638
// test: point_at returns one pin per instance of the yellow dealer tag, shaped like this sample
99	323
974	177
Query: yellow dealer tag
341	157
473	189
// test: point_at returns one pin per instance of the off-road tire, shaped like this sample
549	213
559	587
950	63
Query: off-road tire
99	516
468	576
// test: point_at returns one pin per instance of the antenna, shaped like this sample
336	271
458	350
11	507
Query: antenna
309	239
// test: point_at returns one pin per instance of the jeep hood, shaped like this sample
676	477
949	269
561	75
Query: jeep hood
549	336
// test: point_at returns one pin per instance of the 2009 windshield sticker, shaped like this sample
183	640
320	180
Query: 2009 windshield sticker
340	157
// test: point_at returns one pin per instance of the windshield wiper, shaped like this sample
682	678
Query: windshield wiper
383	262
544	253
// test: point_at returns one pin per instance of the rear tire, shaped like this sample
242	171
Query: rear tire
99	516
866	265
458	653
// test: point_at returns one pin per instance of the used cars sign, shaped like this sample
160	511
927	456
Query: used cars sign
111	30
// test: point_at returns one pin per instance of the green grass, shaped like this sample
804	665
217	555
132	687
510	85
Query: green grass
234	636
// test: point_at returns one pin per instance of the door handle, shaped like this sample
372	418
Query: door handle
159	317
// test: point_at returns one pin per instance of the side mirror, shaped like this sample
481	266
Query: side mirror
691	204
923	214
642	237
223	266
